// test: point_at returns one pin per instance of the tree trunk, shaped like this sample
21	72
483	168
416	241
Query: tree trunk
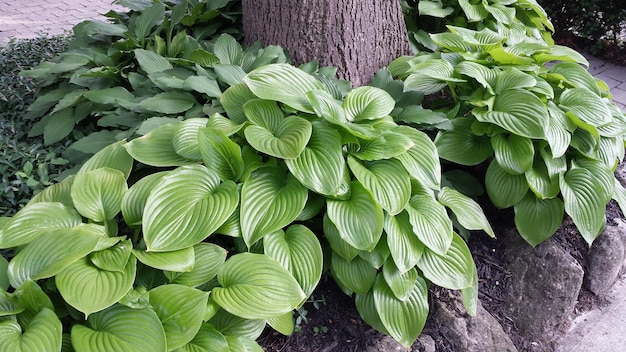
357	36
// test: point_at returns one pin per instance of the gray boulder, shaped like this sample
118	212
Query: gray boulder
605	260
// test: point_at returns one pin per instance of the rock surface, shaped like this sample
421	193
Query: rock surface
605	260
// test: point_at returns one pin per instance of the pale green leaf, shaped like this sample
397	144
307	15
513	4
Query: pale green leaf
43	333
172	102
337	244
185	138
134	200
283	323
221	154
97	194
421	160
367	103
113	258
233	325
234	98
227	50
4	276
151	62
404	246
207	339
400	283
468	213
385	145
540	180
286	140
202	85
584	202
430	222
514	154
181	260
113	156
460	145
454	270
156	148
208	258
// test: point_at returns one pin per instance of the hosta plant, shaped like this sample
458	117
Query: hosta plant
545	129
201	232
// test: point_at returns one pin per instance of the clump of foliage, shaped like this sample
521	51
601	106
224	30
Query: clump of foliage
549	133
26	166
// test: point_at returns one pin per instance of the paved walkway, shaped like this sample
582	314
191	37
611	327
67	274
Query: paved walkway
598	331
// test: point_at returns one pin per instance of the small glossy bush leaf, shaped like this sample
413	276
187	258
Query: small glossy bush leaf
460	145
586	106
181	260
170	217
321	165
152	62
515	154
403	319
469	213
156	148
454	270
185	138
114	258
134	200
208	258
401	284
367	103
387	180
283	83
359	218
356	275
254	286
421	160
270	200
537	219
300	252
503	188
431	223
584	202
221	154
120	328
97	194
404	246
47	255
337	244
90	289
43	333
180	309
36	220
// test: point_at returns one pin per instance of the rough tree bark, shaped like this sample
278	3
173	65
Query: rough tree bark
357	36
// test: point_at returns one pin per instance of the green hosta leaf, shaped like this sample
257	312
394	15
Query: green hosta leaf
224	124
233	100
283	323
503	188
403	319
180	309
113	156
321	165
230	75
359	218
586	106
469	214
367	310
384	146
208	258
327	107
387	180
43	333
59	125
232	325
454	270
481	73
109	96
185	138
367	103
265	113
537	219
513	78
172	102
356	275
243	344
90	289
156	148
36	220
32	300
98	194
47	255
270	200
300	252
221	154
434	8
9	305
405	247
254	286
113	258
152	62
134	200
181	260
558	134
171	220
120	328
474	13
431	223
203	85
460	145
541	182
469	295
283	83
4	278
377	257
207	339
584	202
286	141
400	283
58	192
514	154
227	50
421	160
337	244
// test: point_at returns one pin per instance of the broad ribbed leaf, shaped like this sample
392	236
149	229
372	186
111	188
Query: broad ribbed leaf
300	252
181	260
434	9
204	85
172	102
120	328
98	194
255	286
207	339
32	300
359	218
541	182
460	145
386	145
90	289
321	165
454	270
234	98
180	309
285	141
558	133
227	49
48	255
208	258
431	223
367	310
421	160
517	111
35	220
185	138
58	192
356	275
401	284
337	244
113	258
327	107
503	188
537	219
377	257
367	103
59	125
387	180
515	154
134	200
186	207
403	319
270	200
8	304
469	295
221	154
151	62
513	78
156	148
242	344
481	73
406	249
283	83
109	96
474	13
283	323
4	278
113	156
469	213
586	106
583	198
43	333
233	325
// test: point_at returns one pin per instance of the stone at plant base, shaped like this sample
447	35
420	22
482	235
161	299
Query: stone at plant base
543	288
426	344
467	333
386	343
605	259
